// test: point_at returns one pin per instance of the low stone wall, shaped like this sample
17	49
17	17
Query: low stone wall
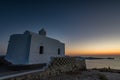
57	66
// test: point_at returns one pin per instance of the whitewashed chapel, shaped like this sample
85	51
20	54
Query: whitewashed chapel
32	48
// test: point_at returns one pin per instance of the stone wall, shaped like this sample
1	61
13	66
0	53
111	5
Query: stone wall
57	66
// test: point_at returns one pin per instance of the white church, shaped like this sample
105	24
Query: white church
33	48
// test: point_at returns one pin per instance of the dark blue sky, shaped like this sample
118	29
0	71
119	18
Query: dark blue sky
81	24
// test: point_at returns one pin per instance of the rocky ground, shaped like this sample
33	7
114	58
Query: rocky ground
86	75
112	76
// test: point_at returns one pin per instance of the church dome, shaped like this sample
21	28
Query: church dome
42	32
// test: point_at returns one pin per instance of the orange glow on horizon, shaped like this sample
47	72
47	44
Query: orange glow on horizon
93	52
96	46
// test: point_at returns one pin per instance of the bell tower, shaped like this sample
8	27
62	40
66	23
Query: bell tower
42	32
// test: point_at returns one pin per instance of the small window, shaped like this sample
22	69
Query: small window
58	51
41	49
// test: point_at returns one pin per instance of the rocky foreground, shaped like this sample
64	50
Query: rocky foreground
86	75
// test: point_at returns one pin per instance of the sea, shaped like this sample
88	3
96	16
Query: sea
104	63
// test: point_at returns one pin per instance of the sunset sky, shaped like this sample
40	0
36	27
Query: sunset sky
87	27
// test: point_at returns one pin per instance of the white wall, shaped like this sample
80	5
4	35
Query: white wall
18	49
50	49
